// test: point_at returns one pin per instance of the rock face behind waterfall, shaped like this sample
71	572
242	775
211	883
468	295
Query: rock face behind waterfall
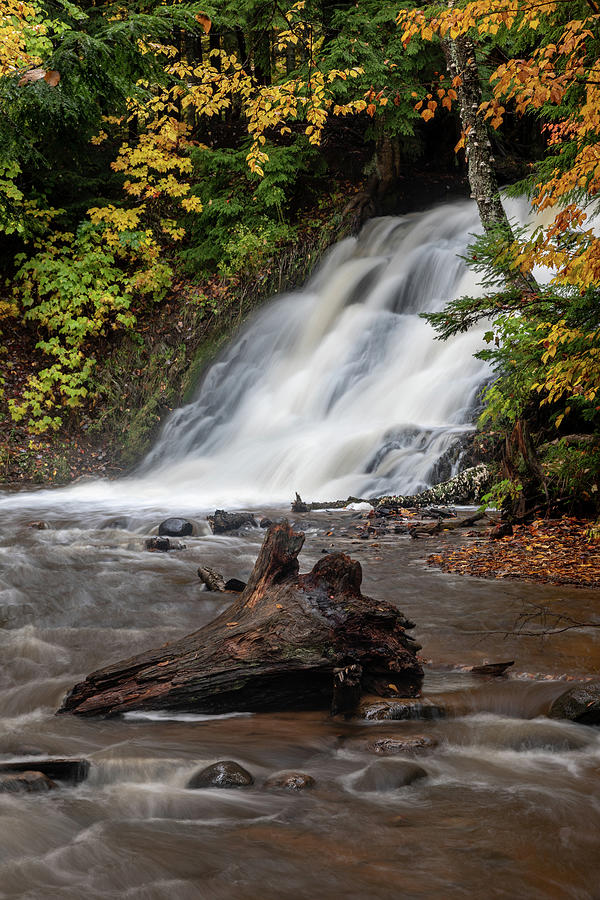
289	641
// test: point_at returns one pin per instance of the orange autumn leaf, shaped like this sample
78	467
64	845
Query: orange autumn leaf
204	20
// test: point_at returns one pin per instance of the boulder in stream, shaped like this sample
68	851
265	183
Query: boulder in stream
176	527
221	522
406	708
158	544
223	774
27	782
579	704
290	781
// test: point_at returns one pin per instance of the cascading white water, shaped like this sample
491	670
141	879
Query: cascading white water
340	388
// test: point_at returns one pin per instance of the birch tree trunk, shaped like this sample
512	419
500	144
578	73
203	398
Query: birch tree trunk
461	62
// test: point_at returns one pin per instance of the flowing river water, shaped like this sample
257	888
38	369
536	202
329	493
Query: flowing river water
510	806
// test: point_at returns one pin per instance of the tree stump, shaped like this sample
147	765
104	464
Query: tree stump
279	646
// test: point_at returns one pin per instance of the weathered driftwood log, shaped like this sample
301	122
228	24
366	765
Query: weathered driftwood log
214	581
445	524
278	646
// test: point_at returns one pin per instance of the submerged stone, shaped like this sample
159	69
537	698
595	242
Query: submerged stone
388	775
119	524
223	774
418	743
402	709
537	736
290	781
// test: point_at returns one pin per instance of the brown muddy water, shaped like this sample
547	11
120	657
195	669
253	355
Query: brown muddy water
510	806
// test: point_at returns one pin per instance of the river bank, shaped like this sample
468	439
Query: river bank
559	551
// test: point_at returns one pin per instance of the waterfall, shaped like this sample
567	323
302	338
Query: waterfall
339	388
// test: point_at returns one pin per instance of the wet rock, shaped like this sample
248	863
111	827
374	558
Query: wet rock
579	704
223	774
265	523
175	527
402	709
290	781
27	782
71	770
436	513
504	529
213	580
234	584
160	544
388	775
40	525
221	522
416	743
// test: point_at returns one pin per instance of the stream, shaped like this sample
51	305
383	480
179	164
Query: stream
510	796
510	805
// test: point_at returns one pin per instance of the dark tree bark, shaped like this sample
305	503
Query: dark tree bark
262	57
280	645
520	464
241	45
214	41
